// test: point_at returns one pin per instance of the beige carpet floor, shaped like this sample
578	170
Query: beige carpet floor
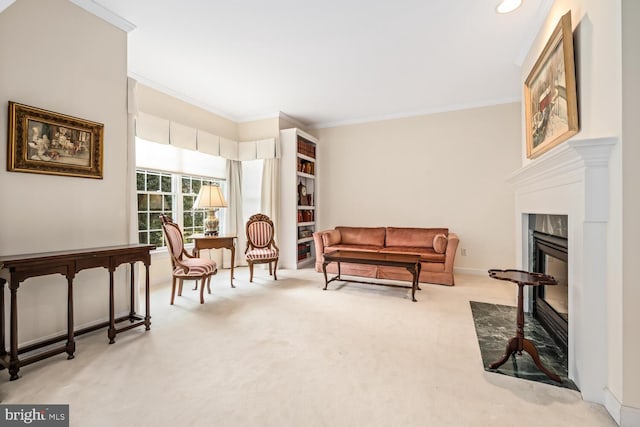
286	353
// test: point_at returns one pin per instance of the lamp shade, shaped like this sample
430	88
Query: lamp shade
210	196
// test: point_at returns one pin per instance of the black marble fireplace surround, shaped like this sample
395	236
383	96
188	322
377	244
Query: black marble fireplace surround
495	326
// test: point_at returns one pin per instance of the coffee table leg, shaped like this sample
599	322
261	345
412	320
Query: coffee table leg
415	283
324	270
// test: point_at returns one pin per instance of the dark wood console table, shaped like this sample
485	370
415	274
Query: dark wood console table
409	261
68	263
519	342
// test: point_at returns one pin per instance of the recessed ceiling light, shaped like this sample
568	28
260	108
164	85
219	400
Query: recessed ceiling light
507	6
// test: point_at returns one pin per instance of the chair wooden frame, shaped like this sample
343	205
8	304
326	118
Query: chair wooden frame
251	245
177	262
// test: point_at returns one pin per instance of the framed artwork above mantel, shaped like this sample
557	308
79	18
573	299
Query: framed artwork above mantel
551	104
45	142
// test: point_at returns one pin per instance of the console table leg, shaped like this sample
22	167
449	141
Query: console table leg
14	362
71	344
3	348
111	333
147	299
132	301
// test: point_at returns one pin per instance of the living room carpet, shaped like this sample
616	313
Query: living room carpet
286	353
496	325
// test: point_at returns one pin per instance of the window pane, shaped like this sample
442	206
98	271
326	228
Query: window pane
155	238
140	181
155	202
168	201
166	183
198	218
155	223
143	221
143	237
153	182
143	202
186	185
187	202
188	219
196	186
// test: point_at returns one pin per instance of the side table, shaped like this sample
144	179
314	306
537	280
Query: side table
216	242
519	342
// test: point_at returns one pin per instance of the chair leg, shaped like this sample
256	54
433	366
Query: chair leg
250	272
202	292
275	268
173	289
270	271
195	287
208	283
179	287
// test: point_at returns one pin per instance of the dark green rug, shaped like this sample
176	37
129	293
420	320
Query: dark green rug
496	325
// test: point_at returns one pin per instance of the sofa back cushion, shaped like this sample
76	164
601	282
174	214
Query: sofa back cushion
408	236
362	235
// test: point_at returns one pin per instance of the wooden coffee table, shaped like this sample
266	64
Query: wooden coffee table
409	261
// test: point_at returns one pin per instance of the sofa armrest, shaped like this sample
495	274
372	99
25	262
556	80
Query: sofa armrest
450	253
319	239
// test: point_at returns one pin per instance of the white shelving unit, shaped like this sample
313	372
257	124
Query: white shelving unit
297	217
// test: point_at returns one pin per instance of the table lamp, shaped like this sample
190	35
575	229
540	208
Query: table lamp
211	198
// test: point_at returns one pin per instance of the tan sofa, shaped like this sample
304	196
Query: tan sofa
436	247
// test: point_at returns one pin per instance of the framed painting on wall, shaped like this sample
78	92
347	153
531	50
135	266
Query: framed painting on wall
42	141
551	104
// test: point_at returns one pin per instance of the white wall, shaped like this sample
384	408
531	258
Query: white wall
59	57
438	170
598	52
631	209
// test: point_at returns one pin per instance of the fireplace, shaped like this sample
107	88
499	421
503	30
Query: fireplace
549	255
572	180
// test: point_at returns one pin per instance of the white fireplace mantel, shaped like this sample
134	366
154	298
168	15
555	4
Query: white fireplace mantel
573	180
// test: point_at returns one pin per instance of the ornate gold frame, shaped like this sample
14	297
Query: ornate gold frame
42	141
551	104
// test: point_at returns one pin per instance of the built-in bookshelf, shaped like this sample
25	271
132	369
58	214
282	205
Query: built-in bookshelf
298	188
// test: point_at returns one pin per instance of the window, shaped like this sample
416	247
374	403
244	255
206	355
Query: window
173	195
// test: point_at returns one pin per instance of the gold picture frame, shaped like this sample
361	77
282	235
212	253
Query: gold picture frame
45	142
551	103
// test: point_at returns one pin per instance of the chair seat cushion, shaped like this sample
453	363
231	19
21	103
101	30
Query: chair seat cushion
261	254
196	267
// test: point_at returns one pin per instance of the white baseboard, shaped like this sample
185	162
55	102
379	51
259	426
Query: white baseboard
629	416
612	405
473	271
625	416
77	328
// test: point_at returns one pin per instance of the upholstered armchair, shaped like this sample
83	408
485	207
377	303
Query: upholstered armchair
261	248
185	265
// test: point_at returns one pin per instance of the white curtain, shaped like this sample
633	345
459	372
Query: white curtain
270	198
233	217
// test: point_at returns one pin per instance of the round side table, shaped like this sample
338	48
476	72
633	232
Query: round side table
519	342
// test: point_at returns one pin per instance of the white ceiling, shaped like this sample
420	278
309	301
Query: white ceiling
330	62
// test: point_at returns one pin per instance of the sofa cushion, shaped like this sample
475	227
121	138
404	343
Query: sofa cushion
364	248
331	237
426	254
362	235
440	243
416	237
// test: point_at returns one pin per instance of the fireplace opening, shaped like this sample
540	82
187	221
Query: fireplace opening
551	303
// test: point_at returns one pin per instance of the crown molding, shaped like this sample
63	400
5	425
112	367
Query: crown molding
424	112
5	4
178	95
105	14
